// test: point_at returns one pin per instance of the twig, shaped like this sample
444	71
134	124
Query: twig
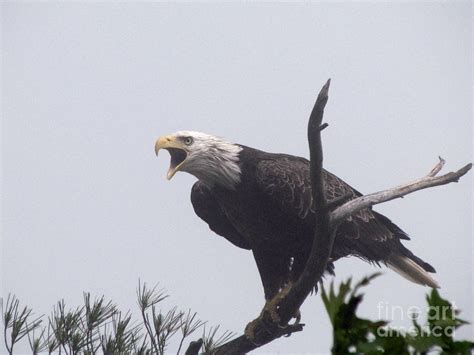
437	168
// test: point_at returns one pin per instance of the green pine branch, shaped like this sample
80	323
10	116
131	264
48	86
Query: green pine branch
98	326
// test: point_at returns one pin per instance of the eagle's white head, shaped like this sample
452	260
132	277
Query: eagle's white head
211	159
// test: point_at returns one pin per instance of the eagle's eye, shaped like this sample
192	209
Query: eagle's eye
188	140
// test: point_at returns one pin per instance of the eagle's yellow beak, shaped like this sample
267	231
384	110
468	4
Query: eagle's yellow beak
177	150
163	143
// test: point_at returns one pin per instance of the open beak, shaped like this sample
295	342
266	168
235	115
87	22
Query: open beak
177	152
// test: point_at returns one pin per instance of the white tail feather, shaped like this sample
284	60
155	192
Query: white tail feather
411	270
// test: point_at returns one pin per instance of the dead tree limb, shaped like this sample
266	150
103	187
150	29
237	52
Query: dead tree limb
328	216
242	344
194	347
321	250
324	233
430	180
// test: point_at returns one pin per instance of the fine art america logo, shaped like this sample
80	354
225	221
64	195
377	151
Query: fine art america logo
387	311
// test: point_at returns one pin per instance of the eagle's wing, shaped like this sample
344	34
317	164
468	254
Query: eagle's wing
286	181
209	210
366	234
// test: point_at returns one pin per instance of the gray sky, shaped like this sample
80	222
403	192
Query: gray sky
88	87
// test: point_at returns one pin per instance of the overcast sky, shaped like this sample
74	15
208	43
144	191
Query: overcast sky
88	87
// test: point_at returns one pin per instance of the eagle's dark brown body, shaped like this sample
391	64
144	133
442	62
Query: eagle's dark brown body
270	212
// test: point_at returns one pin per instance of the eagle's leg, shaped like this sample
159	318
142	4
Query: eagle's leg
271	307
273	266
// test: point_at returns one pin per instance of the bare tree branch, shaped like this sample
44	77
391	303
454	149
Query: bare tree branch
242	344
324	234
265	330
430	180
194	347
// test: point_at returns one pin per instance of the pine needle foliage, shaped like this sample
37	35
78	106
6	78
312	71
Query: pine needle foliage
98	326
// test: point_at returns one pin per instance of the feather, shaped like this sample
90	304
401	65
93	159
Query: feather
410	270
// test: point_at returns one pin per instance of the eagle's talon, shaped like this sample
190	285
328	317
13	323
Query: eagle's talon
271	306
297	321
249	331
297	317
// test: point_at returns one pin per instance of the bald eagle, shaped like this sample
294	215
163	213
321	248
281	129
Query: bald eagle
262	202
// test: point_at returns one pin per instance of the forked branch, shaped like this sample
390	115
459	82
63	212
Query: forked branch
328	216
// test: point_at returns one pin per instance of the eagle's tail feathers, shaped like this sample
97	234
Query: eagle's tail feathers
410	270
